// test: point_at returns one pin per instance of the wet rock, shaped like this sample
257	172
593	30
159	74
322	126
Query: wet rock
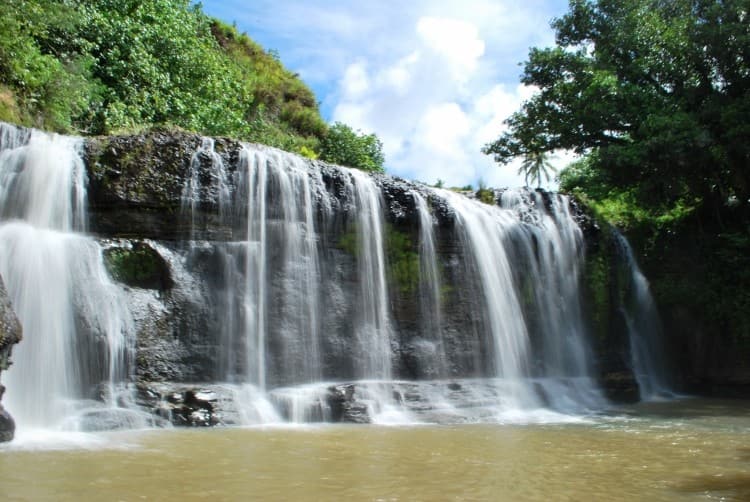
136	182
136	192
139	266
7	425
10	334
10	328
183	407
111	419
345	407
620	387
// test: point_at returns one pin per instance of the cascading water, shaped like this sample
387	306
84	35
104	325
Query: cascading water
644	328
281	201
282	302
373	330
430	301
484	229
270	279
528	265
75	329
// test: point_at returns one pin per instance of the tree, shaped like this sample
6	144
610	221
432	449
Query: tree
342	145
655	95
534	166
656	88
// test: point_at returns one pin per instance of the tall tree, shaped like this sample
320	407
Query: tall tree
655	96
536	165
660	89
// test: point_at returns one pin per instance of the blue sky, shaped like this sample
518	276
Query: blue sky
434	79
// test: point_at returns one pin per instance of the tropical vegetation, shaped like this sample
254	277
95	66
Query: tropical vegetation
110	66
654	96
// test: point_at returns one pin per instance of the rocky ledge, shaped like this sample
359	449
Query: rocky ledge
10	334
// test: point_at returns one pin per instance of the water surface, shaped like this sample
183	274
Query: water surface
689	450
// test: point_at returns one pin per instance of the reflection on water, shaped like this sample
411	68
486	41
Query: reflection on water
694	449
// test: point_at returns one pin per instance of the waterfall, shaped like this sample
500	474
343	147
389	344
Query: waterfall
484	229
549	254
282	299
525	254
429	288
373	331
76	332
270	273
282	198
218	184
528	265
644	328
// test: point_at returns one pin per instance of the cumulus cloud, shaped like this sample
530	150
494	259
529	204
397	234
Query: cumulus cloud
431	107
434	80
456	42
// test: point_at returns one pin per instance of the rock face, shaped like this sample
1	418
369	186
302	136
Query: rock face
137	206
10	334
170	212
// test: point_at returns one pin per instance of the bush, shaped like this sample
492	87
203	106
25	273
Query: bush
342	145
102	66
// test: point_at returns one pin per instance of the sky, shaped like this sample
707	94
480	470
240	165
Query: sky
434	79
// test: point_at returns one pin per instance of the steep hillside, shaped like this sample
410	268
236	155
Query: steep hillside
102	66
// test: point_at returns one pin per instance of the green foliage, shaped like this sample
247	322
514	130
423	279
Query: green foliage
655	97
535	166
308	153
484	194
342	145
403	260
487	196
41	89
656	90
349	241
102	66
597	280
140	266
9	111
402	256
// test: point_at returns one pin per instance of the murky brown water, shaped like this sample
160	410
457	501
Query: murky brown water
668	451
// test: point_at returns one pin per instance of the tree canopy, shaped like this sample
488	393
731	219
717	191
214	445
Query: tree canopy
655	97
657	90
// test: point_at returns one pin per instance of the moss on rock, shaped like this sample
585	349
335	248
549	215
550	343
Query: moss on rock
140	266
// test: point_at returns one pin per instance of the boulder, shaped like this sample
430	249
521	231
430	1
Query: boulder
10	334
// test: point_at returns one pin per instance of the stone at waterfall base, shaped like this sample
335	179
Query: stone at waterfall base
7	426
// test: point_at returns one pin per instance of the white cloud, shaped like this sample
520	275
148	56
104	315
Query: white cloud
443	128
456	41
355	82
431	108
434	80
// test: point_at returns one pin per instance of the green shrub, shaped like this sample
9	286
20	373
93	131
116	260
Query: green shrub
103	66
342	145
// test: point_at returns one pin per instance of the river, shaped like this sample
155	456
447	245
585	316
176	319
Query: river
692	449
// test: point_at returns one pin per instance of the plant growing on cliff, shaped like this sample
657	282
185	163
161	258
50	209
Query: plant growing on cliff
402	260
342	145
484	194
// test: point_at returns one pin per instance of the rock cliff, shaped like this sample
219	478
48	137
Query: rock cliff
10	334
